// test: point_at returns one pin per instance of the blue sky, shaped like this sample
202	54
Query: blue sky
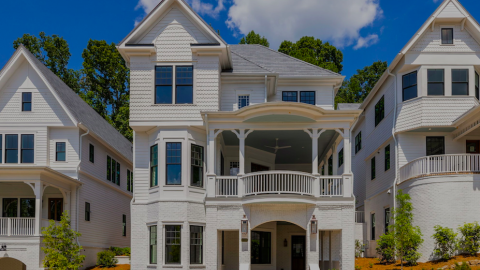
365	30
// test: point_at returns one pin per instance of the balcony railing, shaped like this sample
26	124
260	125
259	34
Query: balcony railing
441	164
279	182
17	226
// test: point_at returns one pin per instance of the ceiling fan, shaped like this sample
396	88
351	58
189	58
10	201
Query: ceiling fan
277	147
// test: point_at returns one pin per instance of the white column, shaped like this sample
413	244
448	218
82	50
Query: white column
314	134
347	152
38	206
241	150
211	152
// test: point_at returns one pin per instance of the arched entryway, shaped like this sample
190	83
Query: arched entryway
7	263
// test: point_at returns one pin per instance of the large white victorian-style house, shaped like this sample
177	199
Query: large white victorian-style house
419	130
235	160
57	154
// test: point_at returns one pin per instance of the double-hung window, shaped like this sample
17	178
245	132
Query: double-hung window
91	153
163	85
11	148
154	165
243	101
290	96
60	151
372	169
261	249
113	170
340	158
129	181
87	211
124	225
196	244
174	163
387	219
358	142
117	180
27	154
379	111
26	101
447	36
184	85
435	146
387	157
153	244
436	82
477	85
373	227
330	165
409	86
460	82
173	247
197	166
307	97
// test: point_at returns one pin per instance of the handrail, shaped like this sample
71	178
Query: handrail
437	164
21	226
278	182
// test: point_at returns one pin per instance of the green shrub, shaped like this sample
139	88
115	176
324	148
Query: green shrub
470	239
126	251
106	258
370	265
359	248
411	248
120	251
386	248
463	266
445	242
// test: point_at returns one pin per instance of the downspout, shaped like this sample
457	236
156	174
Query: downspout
265	89
206	160
78	177
394	184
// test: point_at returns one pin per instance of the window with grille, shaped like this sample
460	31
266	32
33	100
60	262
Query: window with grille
379	111
26	101
387	219
60	151
340	158
197	166
87	211
307	97
154	165
387	157
196	244
173	246
435	146
11	148
27	147
91	153
243	101
290	96
372	169
153	244
373	226
163	85
174	163
447	36
358	142
184	85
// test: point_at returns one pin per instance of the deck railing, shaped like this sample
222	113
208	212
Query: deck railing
455	163
359	217
17	226
279	182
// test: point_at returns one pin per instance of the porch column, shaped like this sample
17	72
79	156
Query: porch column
38	190
242	135
347	152
211	135
314	134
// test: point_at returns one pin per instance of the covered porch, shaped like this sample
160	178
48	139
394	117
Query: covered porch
30	198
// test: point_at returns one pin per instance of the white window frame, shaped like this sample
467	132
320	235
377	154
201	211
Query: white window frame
203	225
19	147
21	100
453	34
55	151
164	244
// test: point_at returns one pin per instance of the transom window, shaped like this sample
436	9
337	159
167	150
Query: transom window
197	166
409	89
26	101
290	96
243	101
447	36
435	146
307	97
174	163
358	142
154	165
27	154
436	82
11	148
173	242
459	82
60	151
184	85
261	249
379	111
163	85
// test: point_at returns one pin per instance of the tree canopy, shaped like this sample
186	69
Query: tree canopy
254	38
314	51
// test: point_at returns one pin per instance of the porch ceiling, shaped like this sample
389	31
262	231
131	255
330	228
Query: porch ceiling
299	153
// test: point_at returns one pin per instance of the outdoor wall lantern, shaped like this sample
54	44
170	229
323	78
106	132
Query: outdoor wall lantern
313	225
285	243
244	224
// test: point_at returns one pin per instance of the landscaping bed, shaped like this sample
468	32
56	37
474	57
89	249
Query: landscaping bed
373	263
118	267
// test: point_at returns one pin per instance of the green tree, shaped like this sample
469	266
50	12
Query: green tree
445	242
254	38
54	52
408	238
61	249
357	88
106	86
470	239
315	52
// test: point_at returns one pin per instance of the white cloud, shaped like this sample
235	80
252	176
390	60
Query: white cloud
339	21
147	5
364	42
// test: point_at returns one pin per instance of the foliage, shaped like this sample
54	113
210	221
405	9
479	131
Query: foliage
54	52
315	52
386	248
356	89
358	267
106	258
408	238
120	251
470	238
254	38
445	242
61	249
463	266
107	84
359	248
370	265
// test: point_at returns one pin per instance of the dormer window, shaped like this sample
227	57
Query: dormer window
26	102
447	36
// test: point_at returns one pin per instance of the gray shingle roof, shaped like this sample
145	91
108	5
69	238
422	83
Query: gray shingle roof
81	111
265	60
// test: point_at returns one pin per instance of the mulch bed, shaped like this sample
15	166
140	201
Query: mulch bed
373	263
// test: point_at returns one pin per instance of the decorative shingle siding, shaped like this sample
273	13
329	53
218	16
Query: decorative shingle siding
173	44
431	41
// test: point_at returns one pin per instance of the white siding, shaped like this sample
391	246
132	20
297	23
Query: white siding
323	94
431	41
70	137
231	91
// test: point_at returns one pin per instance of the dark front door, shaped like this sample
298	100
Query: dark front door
55	208
258	168
473	147
298	252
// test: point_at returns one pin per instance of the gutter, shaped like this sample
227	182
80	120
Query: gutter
78	177
394	184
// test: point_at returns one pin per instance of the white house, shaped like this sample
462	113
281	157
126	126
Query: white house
419	130
57	154
229	146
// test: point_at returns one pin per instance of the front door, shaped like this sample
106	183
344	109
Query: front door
55	208
473	147
298	252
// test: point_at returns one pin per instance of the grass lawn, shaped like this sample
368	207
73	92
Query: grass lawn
372	263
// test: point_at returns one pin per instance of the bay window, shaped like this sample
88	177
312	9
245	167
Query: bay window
153	244
196	244
197	166
173	246
154	165
174	163
409	86
460	82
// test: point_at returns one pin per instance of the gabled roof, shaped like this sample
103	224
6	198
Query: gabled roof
254	58
80	112
448	10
